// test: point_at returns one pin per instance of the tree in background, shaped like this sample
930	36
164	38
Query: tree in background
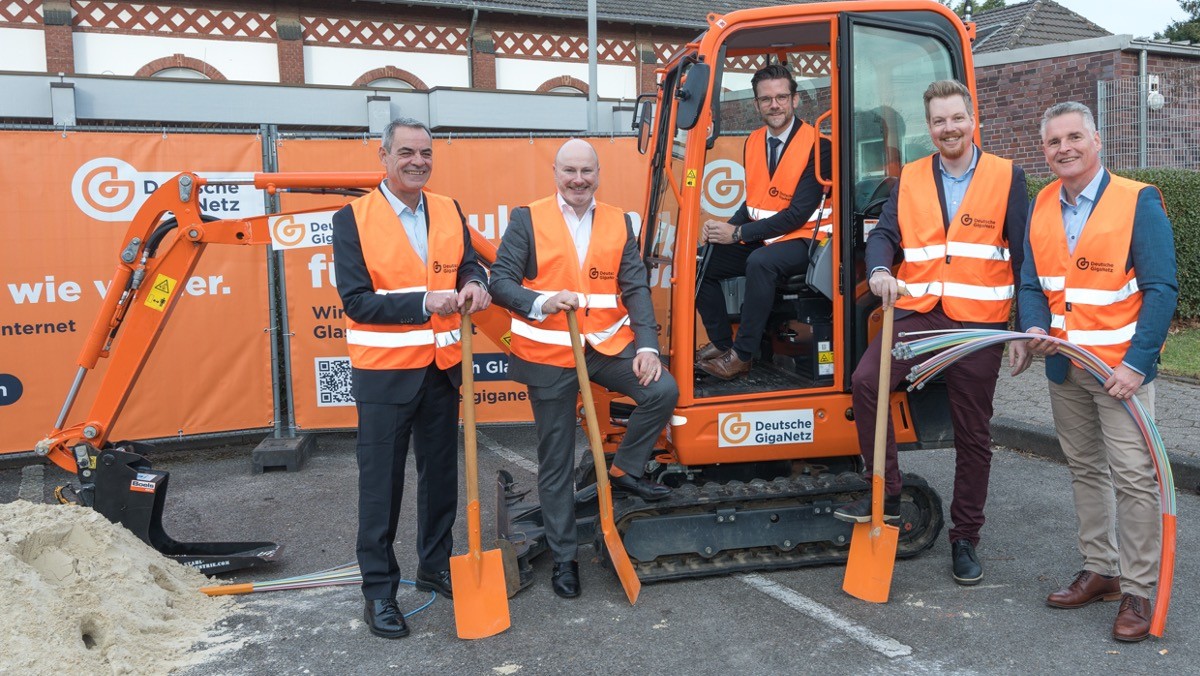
1188	29
959	7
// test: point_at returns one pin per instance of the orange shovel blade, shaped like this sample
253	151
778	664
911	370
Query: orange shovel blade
872	557
616	550
480	594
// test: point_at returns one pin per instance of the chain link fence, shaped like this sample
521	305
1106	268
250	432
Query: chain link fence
1151	124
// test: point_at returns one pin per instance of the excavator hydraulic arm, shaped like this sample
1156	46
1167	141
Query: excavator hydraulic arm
159	252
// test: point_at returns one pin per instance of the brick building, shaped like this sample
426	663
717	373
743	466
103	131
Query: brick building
1031	55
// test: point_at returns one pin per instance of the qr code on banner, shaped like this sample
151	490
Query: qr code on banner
333	381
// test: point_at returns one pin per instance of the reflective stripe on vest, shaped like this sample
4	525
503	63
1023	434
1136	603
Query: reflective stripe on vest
604	321
396	268
767	195
589	300
967	267
1094	301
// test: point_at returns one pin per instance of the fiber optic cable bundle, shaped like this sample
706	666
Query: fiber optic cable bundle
340	575
954	344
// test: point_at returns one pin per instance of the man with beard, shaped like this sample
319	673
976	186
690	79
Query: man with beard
950	220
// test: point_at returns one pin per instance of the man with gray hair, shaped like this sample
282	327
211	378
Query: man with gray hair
1100	272
405	270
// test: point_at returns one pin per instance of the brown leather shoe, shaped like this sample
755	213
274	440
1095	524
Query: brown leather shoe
1133	619
708	351
1088	587
726	367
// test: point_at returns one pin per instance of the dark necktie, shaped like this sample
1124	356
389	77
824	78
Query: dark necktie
772	154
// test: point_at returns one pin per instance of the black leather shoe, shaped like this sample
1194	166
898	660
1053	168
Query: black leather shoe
383	618
639	485
859	511
565	579
967	570
438	582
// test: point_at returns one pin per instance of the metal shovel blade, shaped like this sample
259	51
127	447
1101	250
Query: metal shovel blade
872	557
612	542
480	594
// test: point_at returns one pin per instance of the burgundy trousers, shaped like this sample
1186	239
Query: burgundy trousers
971	382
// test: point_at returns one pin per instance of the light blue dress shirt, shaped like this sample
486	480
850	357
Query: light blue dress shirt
955	188
413	222
1075	215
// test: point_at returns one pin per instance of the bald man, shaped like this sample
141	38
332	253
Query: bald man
569	251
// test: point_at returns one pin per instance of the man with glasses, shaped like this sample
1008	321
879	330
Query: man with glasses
782	194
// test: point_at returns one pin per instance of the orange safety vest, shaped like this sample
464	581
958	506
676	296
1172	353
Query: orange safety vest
966	267
767	195
396	268
1094	301
604	322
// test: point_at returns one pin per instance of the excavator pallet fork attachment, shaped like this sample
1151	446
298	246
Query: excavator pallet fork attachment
128	491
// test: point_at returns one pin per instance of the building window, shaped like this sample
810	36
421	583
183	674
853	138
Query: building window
181	73
390	83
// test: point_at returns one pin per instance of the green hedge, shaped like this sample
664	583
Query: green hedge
1181	192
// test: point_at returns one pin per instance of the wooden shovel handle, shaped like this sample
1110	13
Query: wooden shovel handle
589	412
470	449
882	410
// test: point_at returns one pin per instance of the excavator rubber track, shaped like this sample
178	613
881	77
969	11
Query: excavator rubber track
722	528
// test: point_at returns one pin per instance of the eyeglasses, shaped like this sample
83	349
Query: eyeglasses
778	98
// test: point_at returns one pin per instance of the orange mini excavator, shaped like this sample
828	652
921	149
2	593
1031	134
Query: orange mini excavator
760	463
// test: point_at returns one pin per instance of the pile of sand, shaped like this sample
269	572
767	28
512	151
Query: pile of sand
83	595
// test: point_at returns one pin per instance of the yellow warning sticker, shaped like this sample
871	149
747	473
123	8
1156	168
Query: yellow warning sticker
824	357
690	180
506	339
160	293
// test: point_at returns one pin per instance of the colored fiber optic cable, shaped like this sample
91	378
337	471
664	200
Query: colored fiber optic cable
340	575
954	344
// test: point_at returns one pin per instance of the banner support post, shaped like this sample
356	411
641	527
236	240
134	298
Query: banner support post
284	448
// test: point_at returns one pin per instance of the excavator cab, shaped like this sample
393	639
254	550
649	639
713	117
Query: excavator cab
759	463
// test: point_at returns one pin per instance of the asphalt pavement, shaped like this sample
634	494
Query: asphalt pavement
784	622
1022	419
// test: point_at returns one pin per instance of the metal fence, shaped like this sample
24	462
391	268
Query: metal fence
1153	123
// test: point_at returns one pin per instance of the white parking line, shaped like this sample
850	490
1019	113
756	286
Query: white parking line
507	453
886	646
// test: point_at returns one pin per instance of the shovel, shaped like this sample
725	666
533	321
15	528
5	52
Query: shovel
480	594
873	545
612	539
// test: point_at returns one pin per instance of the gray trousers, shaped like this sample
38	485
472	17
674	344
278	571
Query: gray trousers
554	416
1107	454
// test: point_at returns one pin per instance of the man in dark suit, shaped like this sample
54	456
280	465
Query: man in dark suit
957	221
405	270
782	196
564	252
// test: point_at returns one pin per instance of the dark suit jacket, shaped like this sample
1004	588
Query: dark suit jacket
363	305
883	244
805	199
516	260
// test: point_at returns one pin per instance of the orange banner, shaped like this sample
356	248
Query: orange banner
488	177
70	199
